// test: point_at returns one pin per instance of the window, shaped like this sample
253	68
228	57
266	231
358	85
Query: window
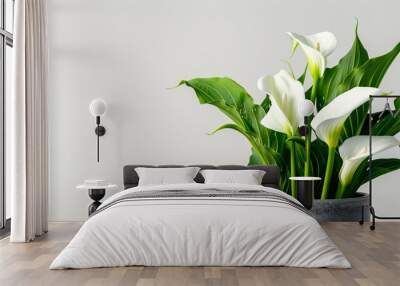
6	61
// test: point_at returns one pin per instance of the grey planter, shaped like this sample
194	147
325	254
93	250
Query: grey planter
350	209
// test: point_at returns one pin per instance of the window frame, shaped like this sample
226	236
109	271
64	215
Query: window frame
6	39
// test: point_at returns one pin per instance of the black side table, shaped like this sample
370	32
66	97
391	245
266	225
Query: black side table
96	193
305	190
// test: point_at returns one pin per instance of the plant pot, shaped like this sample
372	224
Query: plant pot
350	209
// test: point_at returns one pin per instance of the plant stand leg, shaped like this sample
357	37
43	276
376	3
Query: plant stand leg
372	210
362	216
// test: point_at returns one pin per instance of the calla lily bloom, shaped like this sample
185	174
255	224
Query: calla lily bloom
316	48
355	150
329	121
286	94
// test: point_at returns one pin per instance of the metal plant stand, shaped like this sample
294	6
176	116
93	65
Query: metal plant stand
370	118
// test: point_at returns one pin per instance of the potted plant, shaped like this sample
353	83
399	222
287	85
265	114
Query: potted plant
337	149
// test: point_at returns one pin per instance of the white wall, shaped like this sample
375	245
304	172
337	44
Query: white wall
129	52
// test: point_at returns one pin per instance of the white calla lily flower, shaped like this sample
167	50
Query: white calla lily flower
329	121
286	94
316	48
355	150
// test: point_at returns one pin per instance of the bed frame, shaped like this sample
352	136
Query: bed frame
271	177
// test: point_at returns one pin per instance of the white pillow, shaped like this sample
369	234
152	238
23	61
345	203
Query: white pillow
248	177
165	176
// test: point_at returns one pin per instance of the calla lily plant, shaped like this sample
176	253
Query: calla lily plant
336	146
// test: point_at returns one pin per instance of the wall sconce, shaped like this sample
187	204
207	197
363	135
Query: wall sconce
98	108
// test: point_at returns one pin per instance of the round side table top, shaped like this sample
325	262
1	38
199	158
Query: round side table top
96	187
305	178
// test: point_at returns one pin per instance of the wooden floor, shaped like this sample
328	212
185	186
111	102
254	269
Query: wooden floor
375	257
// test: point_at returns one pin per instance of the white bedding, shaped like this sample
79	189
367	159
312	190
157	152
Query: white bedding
200	231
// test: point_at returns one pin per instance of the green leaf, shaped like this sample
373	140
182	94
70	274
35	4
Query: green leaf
388	125
379	167
355	122
254	158
369	74
397	103
300	158
319	151
266	103
284	180
297	139
229	126
264	158
231	98
234	101
236	128
365	128
327	88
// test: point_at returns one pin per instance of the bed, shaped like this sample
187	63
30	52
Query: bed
198	224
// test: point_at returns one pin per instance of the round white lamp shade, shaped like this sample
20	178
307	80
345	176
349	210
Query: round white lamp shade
306	108
98	107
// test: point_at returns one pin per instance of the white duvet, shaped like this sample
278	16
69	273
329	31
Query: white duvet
200	231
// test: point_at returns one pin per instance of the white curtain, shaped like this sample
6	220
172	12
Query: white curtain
28	123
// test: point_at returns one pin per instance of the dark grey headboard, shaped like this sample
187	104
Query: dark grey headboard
271	178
